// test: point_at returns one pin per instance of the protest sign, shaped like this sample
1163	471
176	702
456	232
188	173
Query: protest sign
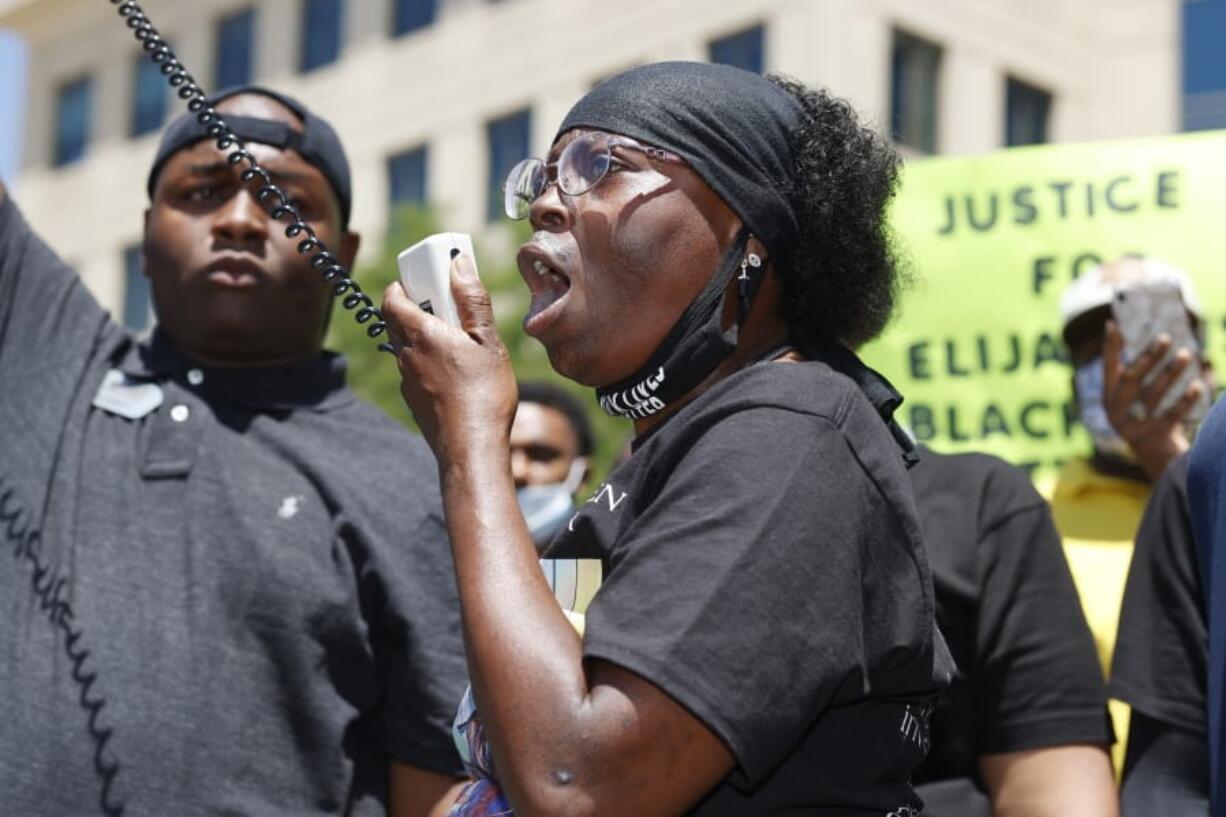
993	240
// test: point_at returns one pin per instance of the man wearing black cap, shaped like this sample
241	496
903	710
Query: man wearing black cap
228	588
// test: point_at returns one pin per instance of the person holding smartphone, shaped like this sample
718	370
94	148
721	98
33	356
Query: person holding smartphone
1098	500
708	244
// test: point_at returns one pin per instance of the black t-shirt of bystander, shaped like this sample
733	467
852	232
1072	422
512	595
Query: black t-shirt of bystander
1027	676
764	567
1160	656
1160	660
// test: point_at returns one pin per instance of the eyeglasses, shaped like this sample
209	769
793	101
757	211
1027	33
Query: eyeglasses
579	168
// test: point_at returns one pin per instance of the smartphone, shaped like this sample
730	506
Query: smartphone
425	272
1144	312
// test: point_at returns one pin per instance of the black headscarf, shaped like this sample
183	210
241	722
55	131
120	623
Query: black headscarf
732	127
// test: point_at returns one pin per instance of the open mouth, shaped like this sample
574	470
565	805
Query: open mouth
548	287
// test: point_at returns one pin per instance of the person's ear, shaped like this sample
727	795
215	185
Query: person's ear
350	241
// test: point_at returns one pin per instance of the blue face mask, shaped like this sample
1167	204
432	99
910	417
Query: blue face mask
547	508
1088	380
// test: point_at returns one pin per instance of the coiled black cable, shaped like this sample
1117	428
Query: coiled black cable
272	197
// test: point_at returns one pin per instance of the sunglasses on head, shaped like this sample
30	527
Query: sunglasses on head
580	167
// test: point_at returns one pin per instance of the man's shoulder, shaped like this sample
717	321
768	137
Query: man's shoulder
1167	526
371	431
361	444
1174	480
972	470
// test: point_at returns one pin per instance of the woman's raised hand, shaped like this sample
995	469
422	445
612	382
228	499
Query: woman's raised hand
458	382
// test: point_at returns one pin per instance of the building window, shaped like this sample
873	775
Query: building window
410	15
321	33
744	49
508	139
1204	70
406	177
149	94
72	113
137	304
235	39
1026	113
913	92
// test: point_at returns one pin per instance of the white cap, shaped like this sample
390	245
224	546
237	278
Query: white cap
1097	287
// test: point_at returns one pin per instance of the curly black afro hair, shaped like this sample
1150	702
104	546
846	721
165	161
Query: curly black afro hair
844	276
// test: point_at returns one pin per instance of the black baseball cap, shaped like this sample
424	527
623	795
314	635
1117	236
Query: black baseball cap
316	142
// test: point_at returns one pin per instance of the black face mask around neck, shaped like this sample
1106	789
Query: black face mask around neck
695	345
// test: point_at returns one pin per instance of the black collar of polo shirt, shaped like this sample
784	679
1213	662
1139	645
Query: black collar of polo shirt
317	384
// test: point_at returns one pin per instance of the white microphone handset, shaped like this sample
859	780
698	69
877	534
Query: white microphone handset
425	272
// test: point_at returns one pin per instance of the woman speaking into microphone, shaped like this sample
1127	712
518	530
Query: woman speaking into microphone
708	244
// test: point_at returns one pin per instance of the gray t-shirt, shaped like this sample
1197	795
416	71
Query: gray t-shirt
237	600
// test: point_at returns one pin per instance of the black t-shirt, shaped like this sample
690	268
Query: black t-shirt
224	591
1028	676
764	567
1161	651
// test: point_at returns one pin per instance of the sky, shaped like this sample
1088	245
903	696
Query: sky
12	102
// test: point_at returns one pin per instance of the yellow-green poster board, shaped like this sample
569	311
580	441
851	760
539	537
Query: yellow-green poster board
992	242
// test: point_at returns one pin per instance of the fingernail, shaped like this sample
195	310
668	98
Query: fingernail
466	269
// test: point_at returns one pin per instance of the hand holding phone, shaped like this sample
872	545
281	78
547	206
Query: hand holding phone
1144	314
1154	390
425	272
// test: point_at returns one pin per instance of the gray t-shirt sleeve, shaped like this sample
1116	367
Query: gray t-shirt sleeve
47	316
51	331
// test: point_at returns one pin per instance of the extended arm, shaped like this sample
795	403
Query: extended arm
45	310
561	736
1051	782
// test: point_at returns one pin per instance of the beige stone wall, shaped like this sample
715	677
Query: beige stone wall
1112	66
